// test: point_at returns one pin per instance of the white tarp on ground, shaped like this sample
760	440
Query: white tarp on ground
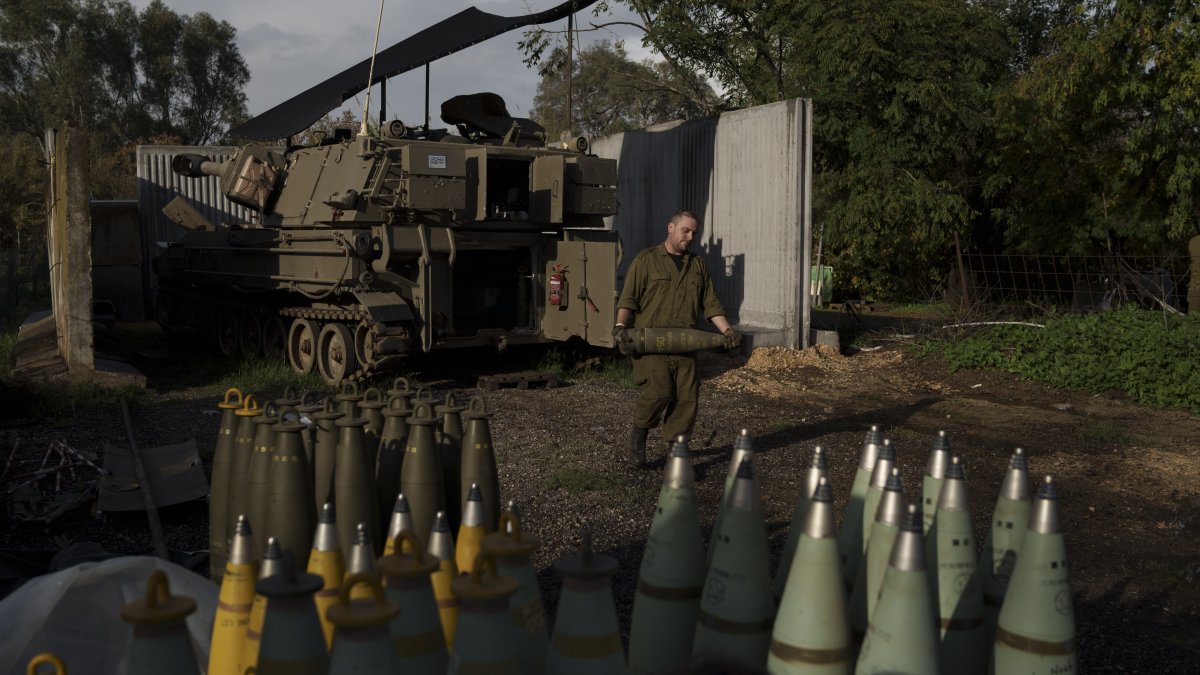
76	613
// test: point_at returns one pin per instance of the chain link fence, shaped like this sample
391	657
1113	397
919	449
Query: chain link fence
1073	283
24	284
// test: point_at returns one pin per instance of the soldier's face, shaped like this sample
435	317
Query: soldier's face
679	235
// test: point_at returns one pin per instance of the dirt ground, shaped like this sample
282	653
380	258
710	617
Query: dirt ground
1128	478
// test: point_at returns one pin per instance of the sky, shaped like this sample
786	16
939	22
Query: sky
290	45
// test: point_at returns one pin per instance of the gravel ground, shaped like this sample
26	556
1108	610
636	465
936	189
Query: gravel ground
1127	475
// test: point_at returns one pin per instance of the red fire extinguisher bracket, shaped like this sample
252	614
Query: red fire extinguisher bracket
557	286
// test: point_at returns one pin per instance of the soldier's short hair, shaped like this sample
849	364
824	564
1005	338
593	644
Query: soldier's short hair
681	214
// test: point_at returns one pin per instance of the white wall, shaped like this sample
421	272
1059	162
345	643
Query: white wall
749	173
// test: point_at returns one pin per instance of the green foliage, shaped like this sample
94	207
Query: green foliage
261	377
8	356
612	93
1115	91
554	361
1154	357
903	93
618	370
123	76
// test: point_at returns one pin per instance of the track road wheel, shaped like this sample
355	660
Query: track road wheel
364	343
302	345
228	332
335	353
274	337
251	334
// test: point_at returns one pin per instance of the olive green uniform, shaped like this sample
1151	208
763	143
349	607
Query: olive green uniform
664	296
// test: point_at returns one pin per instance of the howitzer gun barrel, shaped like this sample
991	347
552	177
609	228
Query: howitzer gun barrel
196	166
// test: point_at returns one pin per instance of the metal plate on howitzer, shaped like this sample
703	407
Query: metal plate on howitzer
174	473
675	340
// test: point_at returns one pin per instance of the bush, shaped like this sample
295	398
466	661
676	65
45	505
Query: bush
1150	355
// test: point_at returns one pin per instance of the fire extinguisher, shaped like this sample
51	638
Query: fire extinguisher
558	286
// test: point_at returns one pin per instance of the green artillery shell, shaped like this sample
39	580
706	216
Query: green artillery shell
479	462
816	471
850	538
421	474
959	598
218	498
289	514
362	643
585	639
258	479
353	490
935	473
161	643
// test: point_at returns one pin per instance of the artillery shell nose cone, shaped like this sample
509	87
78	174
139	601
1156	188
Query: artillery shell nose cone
361	538
818	459
874	436
955	470
908	553
1016	480
744	441
1019	461
474	495
440	524
953	496
512	508
1043	518
893	482
242	550
891	509
941	442
327	515
886	451
401	504
272	562
823	493
1049	489
679	447
819	519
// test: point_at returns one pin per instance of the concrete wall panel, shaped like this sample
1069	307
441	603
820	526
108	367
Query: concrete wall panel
749	173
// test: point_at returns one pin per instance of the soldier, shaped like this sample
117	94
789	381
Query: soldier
667	287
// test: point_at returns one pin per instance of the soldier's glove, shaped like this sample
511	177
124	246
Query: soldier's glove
621	337
733	339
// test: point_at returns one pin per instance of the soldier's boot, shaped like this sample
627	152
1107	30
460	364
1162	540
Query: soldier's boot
636	451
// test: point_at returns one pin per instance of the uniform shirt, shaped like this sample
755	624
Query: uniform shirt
665	297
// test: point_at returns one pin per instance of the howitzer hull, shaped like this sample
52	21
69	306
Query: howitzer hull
412	244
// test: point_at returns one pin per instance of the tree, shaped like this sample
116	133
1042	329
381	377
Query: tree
1097	142
612	93
121	74
124	76
903	92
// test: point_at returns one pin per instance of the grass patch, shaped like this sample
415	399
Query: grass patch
783	427
555	362
1152	356
256	375
618	370
61	400
265	379
588	363
922	310
1105	433
8	354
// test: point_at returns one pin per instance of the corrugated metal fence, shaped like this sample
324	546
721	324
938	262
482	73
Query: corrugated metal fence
158	185
749	173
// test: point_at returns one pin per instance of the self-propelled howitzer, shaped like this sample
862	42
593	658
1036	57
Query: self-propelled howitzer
365	248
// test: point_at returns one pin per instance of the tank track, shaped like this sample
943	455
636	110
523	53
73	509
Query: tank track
192	315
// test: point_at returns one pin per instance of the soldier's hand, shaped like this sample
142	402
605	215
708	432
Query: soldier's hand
733	339
623	340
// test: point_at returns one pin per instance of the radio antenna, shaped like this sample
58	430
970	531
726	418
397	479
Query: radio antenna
362	131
